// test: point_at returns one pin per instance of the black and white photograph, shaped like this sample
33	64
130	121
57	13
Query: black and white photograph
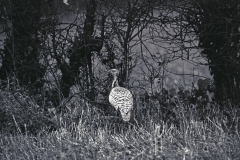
119	79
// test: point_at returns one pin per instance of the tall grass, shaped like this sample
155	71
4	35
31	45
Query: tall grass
84	132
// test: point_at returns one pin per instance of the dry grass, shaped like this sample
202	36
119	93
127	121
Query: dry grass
85	133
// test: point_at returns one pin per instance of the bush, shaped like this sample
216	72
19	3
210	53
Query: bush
21	113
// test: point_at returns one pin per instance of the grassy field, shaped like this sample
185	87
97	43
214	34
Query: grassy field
85	133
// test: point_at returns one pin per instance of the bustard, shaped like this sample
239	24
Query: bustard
120	98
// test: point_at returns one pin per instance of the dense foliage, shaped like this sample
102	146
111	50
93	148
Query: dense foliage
60	68
216	23
20	56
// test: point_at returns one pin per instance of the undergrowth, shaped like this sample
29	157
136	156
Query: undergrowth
83	131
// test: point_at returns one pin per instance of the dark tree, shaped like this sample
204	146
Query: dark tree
216	24
81	55
20	57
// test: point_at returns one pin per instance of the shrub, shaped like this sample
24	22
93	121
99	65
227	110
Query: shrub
21	113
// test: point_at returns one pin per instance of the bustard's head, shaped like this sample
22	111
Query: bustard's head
115	74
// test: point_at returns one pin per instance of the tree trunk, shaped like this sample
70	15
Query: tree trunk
81	55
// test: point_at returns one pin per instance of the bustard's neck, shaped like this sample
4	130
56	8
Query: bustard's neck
115	82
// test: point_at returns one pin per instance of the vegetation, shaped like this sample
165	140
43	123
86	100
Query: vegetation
84	133
54	82
218	37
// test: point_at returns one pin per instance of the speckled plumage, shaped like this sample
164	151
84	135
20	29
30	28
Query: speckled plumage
120	98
